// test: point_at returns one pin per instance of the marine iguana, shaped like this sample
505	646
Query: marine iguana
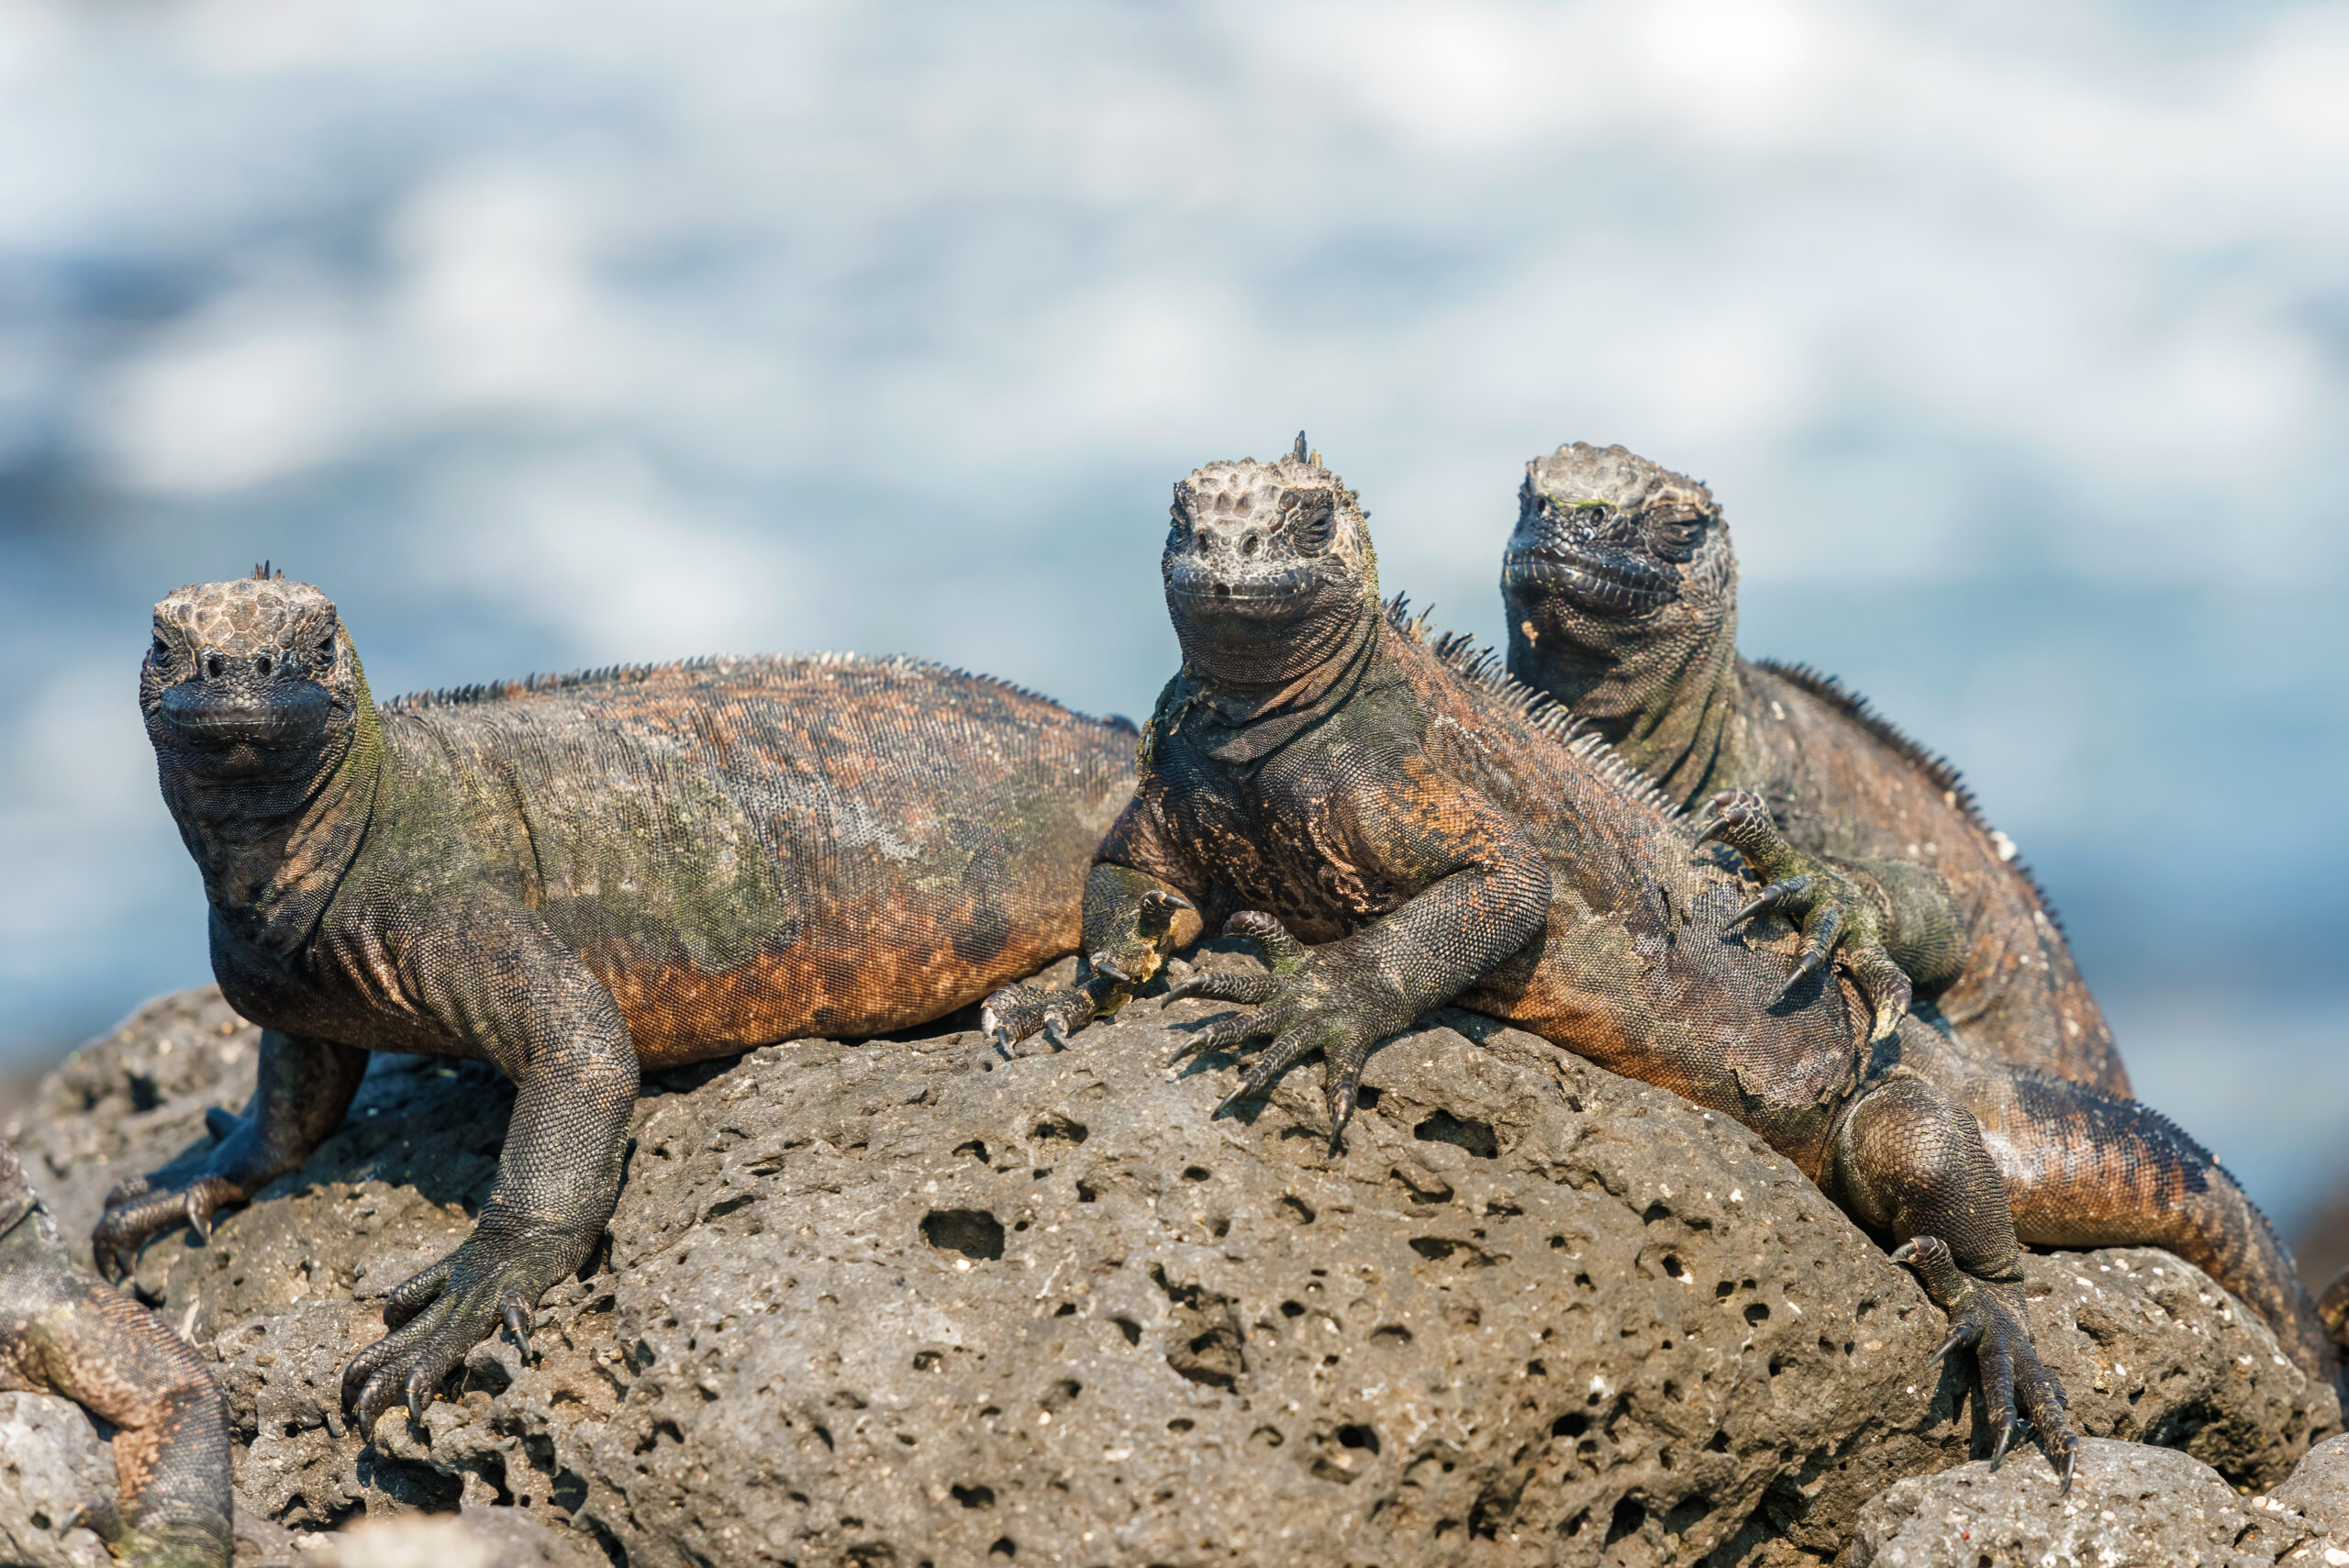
571	876
1620	588
65	1332
1320	773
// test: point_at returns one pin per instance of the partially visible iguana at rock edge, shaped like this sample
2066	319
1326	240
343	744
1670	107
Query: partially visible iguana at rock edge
65	1331
571	876
1619	584
1320	773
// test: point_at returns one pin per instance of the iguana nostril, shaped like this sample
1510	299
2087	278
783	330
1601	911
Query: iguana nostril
1203	544
262	665
213	666
1223	590
1248	545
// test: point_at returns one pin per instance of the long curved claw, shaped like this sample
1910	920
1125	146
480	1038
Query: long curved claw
138	1211
1887	987
517	1323
1055	1032
442	1313
1778	895
2071	1466
1819	944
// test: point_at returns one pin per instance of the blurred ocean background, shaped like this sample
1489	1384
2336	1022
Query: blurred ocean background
2014	337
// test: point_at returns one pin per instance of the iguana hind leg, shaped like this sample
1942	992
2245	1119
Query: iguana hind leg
1911	1160
2083	1169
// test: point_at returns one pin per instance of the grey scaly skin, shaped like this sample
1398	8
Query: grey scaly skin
65	1331
574	876
1399	826
1620	588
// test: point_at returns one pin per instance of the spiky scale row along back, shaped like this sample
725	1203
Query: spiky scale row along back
1483	667
1933	765
786	664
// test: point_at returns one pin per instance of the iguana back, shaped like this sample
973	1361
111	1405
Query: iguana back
747	850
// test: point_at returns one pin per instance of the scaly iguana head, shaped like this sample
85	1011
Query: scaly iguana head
1268	567
1615	561
250	679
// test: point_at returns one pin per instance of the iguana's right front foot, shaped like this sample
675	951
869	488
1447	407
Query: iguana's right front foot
138	1209
1989	1319
1114	971
1836	916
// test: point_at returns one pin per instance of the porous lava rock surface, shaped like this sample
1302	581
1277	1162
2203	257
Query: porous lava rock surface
906	1301
2147	1507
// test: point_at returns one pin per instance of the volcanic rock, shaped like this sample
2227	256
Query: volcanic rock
906	1301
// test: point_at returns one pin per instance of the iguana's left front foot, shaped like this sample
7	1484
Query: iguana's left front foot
436	1317
1113	974
1314	999
1837	917
1989	1316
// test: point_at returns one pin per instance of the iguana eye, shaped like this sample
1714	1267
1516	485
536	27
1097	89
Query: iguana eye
1673	535
1314	523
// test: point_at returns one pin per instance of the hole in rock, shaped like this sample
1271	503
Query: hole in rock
973	1232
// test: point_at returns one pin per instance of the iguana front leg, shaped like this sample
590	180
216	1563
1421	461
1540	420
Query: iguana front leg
1910	1159
301	1091
498	980
1132	920
1892	926
1483	893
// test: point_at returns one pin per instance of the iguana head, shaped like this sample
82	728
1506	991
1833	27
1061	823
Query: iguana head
1615	560
254	679
1268	566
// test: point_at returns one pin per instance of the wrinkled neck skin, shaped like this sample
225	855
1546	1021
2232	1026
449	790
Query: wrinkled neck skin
274	847
1262	686
1661	688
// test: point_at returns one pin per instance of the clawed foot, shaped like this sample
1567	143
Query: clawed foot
1991	1321
1837	917
139	1210
1312	1000
438	1316
1114	973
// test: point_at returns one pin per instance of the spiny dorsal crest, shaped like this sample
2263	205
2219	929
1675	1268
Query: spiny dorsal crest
1579	475
261	572
1483	668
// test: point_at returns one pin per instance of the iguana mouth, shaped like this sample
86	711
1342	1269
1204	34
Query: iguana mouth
1597	580
1262	595
215	725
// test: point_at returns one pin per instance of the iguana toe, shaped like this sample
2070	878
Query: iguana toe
1989	1317
438	1316
138	1211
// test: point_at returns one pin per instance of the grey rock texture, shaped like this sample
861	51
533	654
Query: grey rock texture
52	1461
2148	1508
907	1302
2319	1489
